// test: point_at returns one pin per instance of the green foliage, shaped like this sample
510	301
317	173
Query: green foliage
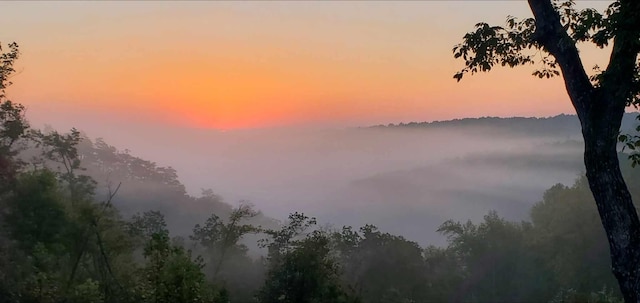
491	45
497	260
568	233
7	60
561	255
572	296
144	226
62	151
37	211
120	165
87	292
588	25
305	272
302	266
220	241
281	240
171	274
216	233
631	144
515	43
378	267
13	125
444	271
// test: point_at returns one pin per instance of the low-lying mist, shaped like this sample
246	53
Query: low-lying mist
406	179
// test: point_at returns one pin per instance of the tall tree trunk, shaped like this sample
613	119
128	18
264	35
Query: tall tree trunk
617	212
600	110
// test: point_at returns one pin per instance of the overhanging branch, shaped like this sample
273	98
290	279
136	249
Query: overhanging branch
554	39
618	79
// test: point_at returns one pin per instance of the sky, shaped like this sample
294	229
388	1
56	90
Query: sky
241	64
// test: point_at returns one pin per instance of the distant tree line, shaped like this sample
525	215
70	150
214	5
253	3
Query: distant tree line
559	125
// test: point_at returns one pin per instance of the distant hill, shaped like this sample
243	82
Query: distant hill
146	186
560	125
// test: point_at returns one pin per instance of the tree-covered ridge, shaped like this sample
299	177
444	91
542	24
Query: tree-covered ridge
142	184
563	125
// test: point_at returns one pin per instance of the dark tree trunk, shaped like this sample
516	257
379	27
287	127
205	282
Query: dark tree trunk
600	110
617	212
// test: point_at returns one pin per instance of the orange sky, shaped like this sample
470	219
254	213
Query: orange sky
260	64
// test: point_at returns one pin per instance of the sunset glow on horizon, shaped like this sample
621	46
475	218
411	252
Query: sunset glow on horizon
234	65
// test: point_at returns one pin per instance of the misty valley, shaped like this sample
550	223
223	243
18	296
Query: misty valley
404	179
474	210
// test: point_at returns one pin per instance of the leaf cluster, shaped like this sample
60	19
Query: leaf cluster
514	44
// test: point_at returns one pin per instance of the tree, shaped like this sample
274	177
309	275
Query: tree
444	274
228	264
497	263
599	100
13	125
306	273
569	242
222	238
379	267
171	274
301	270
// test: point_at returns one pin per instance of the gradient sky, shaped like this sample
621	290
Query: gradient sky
228	65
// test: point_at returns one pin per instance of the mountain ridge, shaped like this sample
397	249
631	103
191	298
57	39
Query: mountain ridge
569	119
